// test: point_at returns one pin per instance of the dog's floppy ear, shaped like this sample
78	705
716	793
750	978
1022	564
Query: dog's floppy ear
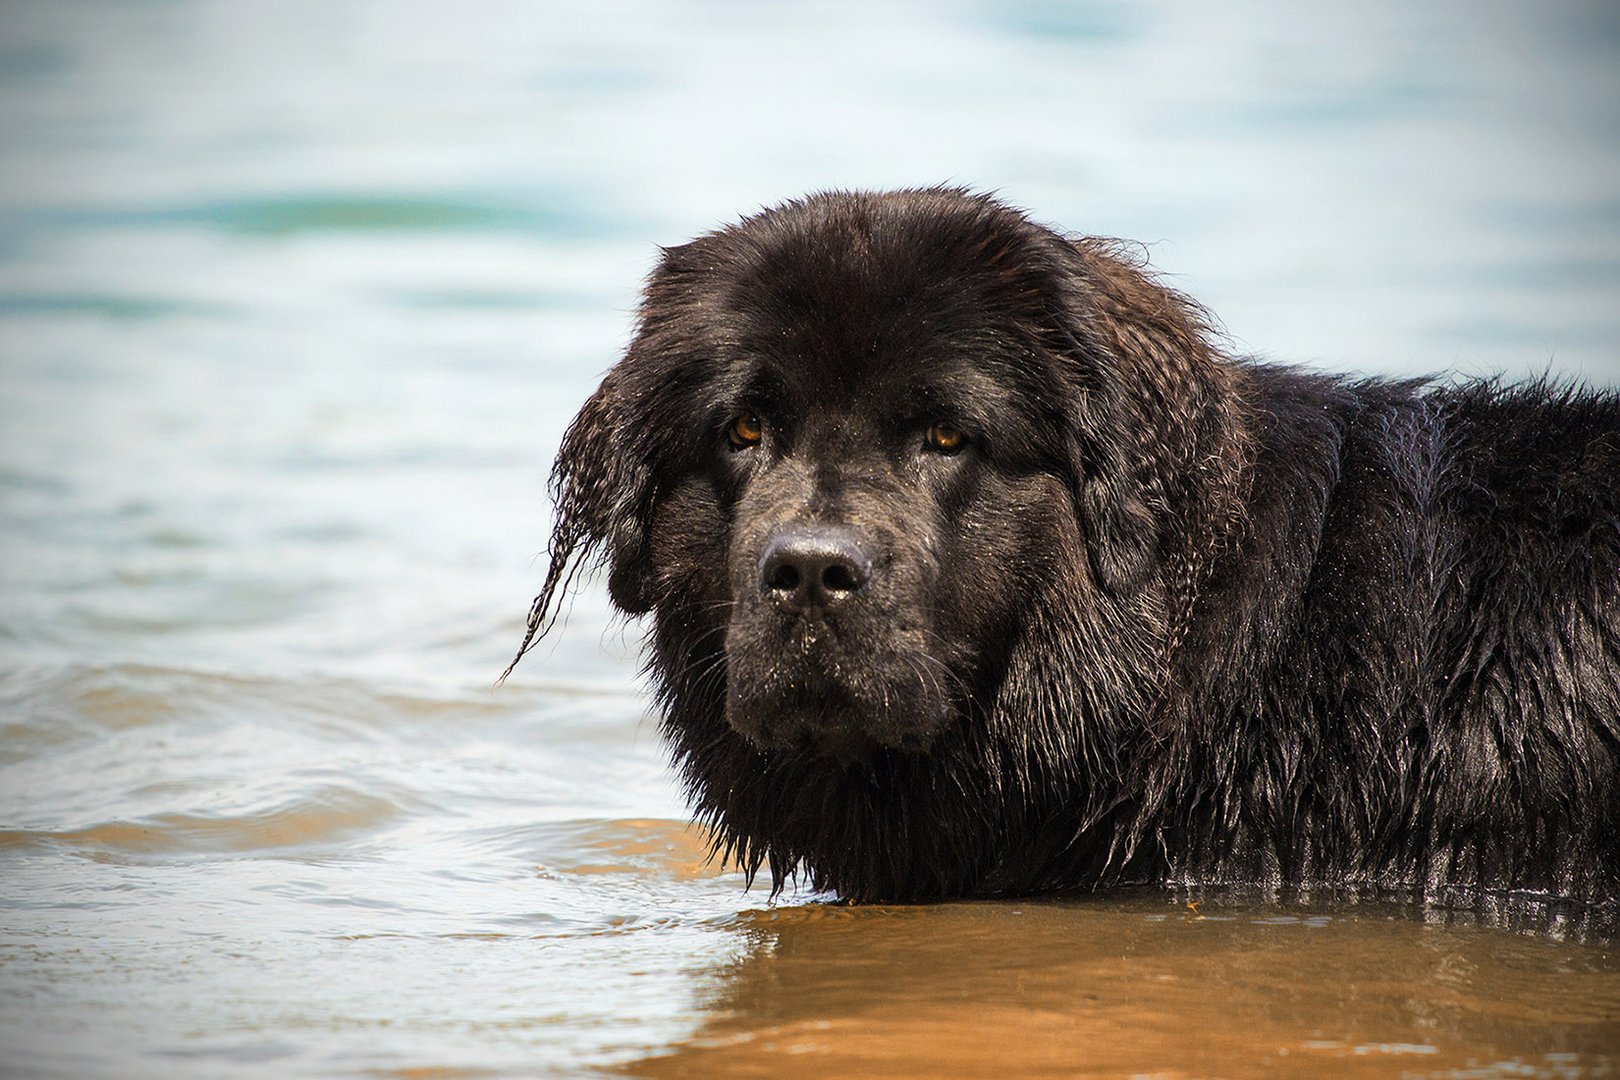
1117	496
602	490
1140	367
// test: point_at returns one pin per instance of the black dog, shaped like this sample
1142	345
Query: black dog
978	568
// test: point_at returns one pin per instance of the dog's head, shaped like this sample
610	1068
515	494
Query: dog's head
866	451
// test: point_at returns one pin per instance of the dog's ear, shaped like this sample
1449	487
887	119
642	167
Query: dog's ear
1118	494
602	491
1139	365
1118	498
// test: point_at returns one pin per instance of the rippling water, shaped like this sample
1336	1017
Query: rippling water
295	300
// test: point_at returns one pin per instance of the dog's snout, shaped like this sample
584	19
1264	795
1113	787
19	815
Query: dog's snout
813	566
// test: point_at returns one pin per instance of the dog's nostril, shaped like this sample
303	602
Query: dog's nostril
840	578
784	579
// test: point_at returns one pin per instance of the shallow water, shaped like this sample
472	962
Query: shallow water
295	300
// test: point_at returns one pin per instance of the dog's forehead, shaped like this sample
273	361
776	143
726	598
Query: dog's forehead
875	353
880	303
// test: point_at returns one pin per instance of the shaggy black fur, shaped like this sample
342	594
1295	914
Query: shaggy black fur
1075	598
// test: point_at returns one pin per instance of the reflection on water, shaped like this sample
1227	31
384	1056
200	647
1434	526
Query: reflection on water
1111	988
295	300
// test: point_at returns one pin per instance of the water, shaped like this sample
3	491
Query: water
295	300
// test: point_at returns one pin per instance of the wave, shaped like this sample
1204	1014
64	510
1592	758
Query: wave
322	815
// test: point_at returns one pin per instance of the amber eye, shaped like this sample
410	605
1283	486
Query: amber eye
945	439
745	431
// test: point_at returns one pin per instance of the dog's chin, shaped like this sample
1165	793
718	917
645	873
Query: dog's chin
818	717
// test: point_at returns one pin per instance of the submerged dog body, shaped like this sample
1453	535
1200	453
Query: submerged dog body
976	567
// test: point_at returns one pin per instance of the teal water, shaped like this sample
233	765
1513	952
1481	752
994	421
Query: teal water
295	301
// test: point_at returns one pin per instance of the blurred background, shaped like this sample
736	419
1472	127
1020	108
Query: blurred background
297	297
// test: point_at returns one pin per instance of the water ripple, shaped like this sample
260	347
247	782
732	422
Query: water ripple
325	815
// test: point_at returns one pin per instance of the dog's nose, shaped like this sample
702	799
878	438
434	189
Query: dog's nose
813	566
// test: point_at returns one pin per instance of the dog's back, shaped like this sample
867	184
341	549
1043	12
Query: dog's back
1437	650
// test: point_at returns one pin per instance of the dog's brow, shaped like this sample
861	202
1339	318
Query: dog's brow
756	383
960	390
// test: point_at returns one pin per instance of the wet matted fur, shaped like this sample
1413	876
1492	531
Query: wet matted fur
1073	597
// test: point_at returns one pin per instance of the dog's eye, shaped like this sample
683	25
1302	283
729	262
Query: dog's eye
745	431
945	439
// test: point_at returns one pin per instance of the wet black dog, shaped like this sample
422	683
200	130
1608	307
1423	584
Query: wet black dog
978	568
